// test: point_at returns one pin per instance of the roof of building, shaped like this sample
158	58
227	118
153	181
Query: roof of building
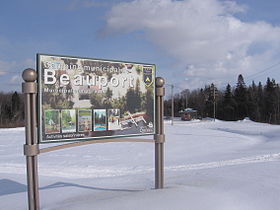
188	110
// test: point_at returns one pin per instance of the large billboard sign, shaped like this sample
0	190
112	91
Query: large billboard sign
84	98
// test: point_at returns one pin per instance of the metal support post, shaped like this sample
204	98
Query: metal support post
31	148
159	136
214	104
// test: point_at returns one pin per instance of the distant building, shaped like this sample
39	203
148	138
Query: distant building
188	114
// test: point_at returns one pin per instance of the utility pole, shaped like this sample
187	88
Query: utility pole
172	104
214	103
213	91
186	95
277	108
0	114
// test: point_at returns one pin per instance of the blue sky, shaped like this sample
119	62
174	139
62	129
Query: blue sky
192	42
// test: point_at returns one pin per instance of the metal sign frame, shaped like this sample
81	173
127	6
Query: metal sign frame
32	150
40	57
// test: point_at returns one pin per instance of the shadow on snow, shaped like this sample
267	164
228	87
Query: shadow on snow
11	187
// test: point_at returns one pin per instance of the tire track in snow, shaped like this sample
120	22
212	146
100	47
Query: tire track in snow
223	163
97	171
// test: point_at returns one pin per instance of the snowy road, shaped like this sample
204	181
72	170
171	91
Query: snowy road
223	163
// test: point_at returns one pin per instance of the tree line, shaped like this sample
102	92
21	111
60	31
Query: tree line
11	109
258	102
261	103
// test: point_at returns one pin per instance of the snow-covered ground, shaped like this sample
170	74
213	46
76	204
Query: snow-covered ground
208	165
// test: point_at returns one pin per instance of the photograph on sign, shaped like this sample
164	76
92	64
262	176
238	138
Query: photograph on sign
114	119
84	98
68	120
100	120
85	120
52	121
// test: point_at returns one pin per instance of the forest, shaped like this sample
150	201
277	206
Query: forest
11	110
261	103
257	101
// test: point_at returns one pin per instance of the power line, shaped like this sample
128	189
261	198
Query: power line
255	74
264	70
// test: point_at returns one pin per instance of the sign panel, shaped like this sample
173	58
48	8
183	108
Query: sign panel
84	98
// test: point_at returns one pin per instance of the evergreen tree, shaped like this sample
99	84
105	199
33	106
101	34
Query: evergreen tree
253	108
137	101
96	100
15	103
228	105
149	103
278	104
108	98
270	97
241	98
130	97
260	101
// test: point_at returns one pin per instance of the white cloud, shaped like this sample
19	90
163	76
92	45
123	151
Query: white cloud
16	79
6	67
205	36
13	67
11	71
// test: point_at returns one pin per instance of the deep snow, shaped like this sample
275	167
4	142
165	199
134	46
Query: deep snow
208	165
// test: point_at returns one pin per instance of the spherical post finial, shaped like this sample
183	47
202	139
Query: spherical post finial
159	82
29	75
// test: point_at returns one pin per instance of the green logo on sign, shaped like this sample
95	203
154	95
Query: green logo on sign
148	75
